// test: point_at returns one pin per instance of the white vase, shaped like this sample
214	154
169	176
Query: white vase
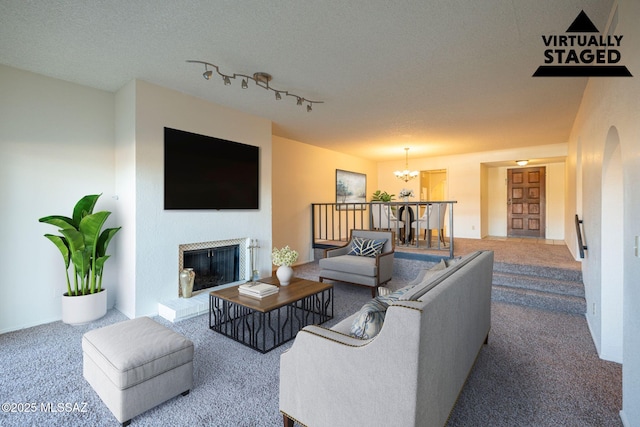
84	308
284	274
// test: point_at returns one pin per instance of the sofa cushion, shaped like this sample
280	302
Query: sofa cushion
361	246
452	261
427	279
369	319
364	266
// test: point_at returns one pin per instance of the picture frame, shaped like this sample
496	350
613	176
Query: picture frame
351	187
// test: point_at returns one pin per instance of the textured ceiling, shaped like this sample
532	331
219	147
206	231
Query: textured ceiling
438	76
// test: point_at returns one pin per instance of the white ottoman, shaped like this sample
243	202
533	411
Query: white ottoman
137	364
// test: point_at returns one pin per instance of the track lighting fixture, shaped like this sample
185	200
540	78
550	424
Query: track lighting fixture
261	79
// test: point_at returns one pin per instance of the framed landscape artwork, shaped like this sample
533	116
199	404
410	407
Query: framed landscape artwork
351	187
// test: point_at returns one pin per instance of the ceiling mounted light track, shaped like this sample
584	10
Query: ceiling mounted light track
261	79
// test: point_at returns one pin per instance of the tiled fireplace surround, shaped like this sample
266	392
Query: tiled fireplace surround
178	308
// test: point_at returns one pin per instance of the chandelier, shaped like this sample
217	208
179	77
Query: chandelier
406	175
261	79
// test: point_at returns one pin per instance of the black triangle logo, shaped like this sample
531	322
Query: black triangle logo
582	24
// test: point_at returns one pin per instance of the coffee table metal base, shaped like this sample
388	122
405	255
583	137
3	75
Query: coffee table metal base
264	331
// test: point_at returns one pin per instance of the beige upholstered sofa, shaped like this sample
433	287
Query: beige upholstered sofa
359	263
411	372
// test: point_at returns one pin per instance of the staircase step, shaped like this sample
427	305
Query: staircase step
542	284
539	271
548	288
543	300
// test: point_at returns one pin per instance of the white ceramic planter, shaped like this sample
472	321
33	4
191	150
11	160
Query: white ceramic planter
284	274
84	309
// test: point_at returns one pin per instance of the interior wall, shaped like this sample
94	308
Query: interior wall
158	233
497	205
606	103
612	255
56	145
464	178
125	176
485	197
304	174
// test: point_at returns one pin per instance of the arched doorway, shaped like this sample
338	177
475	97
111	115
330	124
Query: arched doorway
612	268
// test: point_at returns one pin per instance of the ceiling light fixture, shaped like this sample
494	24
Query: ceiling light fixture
406	175
207	73
522	162
261	79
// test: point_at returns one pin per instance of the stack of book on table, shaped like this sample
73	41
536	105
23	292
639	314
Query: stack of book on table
257	289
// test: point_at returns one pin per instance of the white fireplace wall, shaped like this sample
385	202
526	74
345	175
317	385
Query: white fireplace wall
150	236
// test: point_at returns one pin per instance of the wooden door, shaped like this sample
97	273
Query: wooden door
526	202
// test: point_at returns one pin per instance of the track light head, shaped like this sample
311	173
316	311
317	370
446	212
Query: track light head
207	74
245	84
278	97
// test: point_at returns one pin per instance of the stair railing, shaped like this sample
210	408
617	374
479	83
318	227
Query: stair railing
581	246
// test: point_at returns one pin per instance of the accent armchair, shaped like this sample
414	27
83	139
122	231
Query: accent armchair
366	260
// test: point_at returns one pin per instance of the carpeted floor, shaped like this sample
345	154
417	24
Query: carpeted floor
539	369
525	251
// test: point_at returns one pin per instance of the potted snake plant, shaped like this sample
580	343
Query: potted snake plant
83	246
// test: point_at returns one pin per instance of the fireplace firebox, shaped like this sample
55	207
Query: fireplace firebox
215	263
214	267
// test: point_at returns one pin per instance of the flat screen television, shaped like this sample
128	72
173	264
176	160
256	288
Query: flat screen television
203	172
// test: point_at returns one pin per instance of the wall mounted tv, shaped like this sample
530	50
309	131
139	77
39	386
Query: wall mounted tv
203	172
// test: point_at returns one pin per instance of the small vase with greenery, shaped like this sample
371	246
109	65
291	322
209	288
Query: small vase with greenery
405	194
382	196
83	244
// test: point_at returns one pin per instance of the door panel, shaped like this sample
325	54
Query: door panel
526	202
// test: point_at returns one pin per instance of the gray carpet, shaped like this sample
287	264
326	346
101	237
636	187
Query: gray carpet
539	369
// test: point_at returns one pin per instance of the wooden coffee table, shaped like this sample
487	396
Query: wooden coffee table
264	324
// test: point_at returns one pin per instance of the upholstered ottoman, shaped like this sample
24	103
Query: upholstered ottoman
137	364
